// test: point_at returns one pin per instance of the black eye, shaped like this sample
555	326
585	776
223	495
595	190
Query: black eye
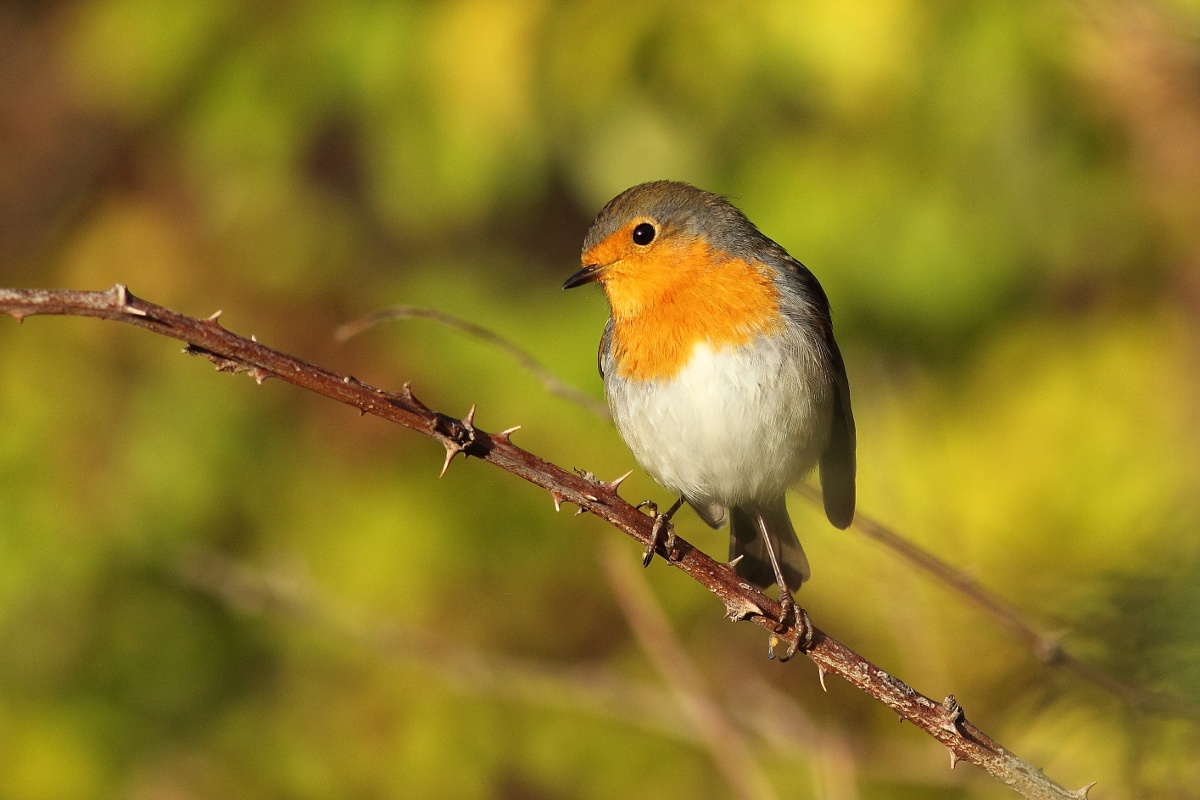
643	234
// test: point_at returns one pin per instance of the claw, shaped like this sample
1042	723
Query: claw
787	607
661	522
804	635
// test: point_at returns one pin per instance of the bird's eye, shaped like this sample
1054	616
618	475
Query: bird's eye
643	234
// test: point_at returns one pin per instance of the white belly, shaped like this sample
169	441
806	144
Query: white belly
730	428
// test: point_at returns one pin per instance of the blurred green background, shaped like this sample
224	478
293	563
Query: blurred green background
210	589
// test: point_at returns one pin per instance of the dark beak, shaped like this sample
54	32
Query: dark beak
588	274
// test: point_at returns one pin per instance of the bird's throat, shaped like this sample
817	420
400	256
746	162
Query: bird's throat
702	295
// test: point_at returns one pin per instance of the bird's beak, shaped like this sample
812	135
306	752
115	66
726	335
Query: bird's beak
589	274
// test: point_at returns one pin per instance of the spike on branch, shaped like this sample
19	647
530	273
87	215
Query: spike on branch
452	450
615	483
739	607
741	600
123	297
952	715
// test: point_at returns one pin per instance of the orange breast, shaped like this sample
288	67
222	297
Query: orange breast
683	294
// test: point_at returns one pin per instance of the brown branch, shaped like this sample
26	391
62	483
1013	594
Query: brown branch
1046	648
943	721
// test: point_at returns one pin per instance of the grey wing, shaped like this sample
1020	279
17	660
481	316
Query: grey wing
605	342
838	465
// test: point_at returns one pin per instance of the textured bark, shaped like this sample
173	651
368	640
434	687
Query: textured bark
945	721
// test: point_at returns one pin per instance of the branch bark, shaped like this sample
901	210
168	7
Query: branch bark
1046	647
944	721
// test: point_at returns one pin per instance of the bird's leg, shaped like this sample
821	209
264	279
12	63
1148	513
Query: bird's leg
662	522
787	605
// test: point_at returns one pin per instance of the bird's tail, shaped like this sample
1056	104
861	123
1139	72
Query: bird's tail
746	540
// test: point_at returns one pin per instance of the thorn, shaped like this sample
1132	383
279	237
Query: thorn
259	375
739	608
469	419
1082	792
411	398
347	379
616	482
254	338
507	433
953	758
592	497
581	510
123	296
451	451
19	316
588	476
733	562
821	677
558	500
952	714
215	317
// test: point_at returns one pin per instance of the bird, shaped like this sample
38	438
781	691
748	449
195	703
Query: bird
722	374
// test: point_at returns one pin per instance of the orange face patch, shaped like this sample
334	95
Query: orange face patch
674	293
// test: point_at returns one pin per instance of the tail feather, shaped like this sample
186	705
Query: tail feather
746	540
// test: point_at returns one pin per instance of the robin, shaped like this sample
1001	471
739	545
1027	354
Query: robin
722	373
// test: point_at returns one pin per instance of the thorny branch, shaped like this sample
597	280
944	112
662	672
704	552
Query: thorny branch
1046	647
944	721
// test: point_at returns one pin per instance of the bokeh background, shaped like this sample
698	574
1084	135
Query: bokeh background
212	589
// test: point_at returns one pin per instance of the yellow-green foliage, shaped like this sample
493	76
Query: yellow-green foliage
1000	198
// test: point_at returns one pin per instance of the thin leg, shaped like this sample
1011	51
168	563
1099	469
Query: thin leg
661	522
787	604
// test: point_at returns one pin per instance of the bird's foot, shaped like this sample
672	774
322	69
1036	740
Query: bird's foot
790	615
662	525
